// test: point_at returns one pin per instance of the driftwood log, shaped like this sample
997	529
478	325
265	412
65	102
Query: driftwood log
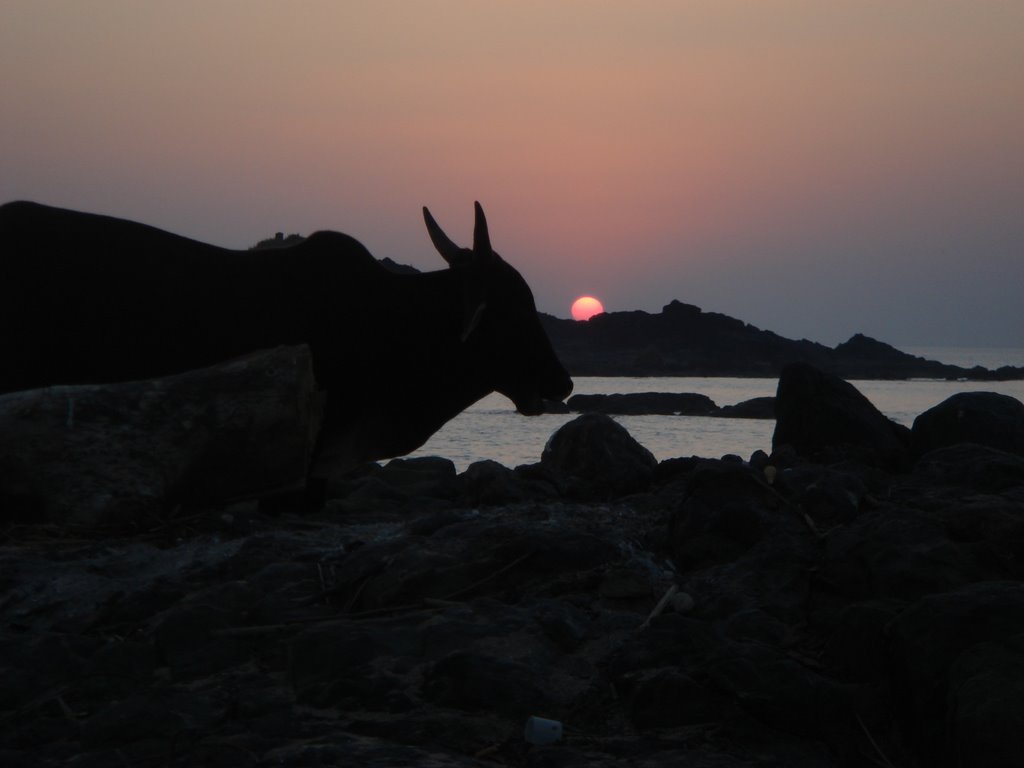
125	454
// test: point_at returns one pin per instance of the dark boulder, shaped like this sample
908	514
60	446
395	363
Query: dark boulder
827	495
666	698
726	511
856	645
739	546
597	458
986	700
904	555
474	681
427	481
970	636
135	718
431	476
985	418
488	482
126	454
186	636
972	466
754	408
344	664
827	419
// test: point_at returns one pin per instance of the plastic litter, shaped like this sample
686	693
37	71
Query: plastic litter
540	731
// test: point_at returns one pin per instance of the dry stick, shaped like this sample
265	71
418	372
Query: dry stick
446	598
435	602
428	604
803	515
359	591
66	710
323	582
885	760
266	629
485	579
669	594
487	751
50	694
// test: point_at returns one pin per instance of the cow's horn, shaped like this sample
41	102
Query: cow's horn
481	239
449	251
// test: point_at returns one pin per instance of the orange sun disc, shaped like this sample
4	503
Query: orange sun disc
585	307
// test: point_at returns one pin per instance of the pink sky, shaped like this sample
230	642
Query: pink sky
815	168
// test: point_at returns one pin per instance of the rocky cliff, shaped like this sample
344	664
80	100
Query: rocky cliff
683	340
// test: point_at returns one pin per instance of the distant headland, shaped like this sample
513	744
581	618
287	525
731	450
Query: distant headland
683	340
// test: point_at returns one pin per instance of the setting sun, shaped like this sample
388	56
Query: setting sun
585	307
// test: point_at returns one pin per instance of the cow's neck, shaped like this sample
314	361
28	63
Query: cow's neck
427	378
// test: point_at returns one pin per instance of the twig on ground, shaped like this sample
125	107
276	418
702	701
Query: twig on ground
657	610
803	515
489	577
885	761
486	751
323	582
426	604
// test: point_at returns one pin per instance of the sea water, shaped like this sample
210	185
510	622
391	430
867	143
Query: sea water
491	429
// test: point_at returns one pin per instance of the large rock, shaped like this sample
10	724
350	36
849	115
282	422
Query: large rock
431	476
125	454
966	638
986	700
488	482
754	408
740	548
726	511
598	458
986	418
973	466
474	682
825	418
827	495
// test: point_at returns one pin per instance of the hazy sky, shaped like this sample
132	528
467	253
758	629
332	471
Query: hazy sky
816	167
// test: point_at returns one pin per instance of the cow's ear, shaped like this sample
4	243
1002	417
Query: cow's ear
450	252
472	321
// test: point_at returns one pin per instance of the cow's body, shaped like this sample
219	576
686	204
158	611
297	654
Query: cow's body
92	299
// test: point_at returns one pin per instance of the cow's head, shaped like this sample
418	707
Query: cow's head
500	323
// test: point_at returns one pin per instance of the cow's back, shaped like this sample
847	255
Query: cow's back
89	298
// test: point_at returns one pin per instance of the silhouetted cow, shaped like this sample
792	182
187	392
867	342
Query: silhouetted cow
93	299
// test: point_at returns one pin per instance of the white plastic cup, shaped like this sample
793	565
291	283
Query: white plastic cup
540	731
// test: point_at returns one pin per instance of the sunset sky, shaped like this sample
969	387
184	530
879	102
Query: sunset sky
815	168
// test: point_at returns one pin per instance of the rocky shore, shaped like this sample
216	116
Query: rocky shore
854	599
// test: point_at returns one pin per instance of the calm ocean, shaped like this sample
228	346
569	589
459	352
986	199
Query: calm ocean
491	429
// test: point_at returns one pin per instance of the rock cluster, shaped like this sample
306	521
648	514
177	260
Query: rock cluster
833	604
670	404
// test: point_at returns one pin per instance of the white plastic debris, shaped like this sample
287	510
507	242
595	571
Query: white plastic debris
540	731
